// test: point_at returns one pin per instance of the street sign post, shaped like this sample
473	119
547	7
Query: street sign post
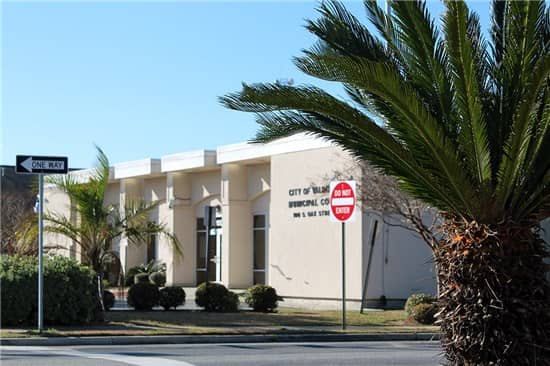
26	164
342	209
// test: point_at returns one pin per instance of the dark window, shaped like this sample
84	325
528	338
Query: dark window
201	249
259	221
152	247
201	252
259	249
259	278
259	241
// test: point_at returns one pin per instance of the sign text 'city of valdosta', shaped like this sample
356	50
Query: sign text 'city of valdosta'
311	201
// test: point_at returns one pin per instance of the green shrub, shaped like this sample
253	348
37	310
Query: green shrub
424	313
19	289
261	298
141	278
129	277
171	297
416	299
230	303
158	278
108	299
70	291
215	297
152	266
143	296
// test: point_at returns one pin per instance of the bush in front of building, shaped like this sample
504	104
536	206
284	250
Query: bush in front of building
171	297
231	303
129	278
69	291
416	299
18	290
216	297
143	296
146	269
158	278
141	278
425	313
261	298
108	299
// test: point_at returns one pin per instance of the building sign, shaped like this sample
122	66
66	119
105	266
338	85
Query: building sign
342	201
309	201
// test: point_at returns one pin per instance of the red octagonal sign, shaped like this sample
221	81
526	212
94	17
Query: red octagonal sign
342	201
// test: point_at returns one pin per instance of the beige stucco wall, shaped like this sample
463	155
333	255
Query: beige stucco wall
401	264
179	221
57	202
305	251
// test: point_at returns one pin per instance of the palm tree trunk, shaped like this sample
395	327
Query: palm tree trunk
495	298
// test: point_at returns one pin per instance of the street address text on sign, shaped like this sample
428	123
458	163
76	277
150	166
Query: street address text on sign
342	201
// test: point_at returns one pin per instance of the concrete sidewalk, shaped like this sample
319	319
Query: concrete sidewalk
196	339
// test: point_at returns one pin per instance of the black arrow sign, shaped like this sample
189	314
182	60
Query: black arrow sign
27	164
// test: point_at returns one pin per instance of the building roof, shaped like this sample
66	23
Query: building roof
199	160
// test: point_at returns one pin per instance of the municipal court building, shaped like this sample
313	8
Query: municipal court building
259	213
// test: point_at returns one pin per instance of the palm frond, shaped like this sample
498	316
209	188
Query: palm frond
466	124
334	117
424	59
473	132
523	132
409	118
343	33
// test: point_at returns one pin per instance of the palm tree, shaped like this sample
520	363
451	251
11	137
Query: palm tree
98	223
463	123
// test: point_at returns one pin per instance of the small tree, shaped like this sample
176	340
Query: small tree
381	193
100	224
19	229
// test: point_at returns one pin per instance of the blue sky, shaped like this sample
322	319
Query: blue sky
141	79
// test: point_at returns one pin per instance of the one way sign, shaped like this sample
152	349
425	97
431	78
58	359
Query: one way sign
26	164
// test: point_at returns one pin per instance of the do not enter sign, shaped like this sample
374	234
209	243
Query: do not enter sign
342	201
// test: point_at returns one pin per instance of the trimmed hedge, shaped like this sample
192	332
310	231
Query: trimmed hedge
129	277
171	297
216	297
416	299
143	296
261	298
70	291
425	313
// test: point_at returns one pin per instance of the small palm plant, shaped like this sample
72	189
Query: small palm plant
100	224
463	124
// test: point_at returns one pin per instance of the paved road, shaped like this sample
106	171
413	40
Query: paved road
268	354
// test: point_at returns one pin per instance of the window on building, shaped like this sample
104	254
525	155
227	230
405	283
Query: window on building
201	251
152	247
259	232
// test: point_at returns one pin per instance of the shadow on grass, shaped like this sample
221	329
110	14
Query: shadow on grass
205	319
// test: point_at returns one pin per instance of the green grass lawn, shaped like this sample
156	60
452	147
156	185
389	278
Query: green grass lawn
244	322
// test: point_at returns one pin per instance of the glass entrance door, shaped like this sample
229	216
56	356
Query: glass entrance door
208	261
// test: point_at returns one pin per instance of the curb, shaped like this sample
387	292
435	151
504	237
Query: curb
185	339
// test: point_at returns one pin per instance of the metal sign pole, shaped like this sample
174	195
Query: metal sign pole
40	252
343	275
